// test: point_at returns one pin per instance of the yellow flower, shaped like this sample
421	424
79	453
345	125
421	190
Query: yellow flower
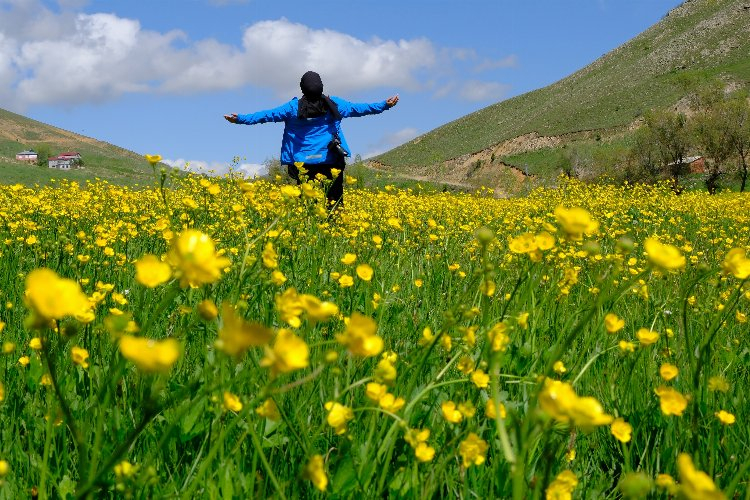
317	310
621	430
278	278
646	336
557	398
4	468
544	241
349	259
612	323
24	361
124	469
725	417
695	484
491	412
360	336
232	402
290	307
525	243
153	159
346	281
665	481
391	403
270	257
151	272
570	455
587	412
418	283
35	344
480	379
375	391
737	264
149	355
364	272
668	371
289	353
664	256
523	320
338	416
671	401
575	222
291	192
208	310
424	452
315	471
472	450
193	254
626	346
237	335
385	371
269	410
52	297
80	356
559	367
561	488
498	337
450	413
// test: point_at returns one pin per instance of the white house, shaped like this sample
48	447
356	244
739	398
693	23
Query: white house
64	161
28	156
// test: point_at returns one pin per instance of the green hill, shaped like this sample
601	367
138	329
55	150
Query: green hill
698	40
100	159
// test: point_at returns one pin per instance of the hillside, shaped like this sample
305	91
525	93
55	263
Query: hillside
697	40
101	160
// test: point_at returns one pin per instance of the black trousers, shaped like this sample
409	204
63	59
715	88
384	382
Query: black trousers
335	192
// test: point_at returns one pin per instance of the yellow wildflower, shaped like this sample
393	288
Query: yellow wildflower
668	371
575	222
52	297
315	471
269	410
737	264
664	256
671	401
621	430
80	356
480	379
232	402
725	417
472	450
149	355
338	416
360	336
365	272
289	353
561	488
695	484
151	272
194	255
646	336
612	323
450	412
237	335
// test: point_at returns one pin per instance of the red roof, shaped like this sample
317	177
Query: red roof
69	154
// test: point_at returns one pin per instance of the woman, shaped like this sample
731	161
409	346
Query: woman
312	131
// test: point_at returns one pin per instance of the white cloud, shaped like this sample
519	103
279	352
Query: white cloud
216	168
390	141
475	90
70	58
489	64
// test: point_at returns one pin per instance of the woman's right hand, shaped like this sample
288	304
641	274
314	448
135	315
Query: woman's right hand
232	118
391	101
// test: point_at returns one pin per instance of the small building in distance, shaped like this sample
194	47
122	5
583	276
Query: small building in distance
693	164
65	161
29	156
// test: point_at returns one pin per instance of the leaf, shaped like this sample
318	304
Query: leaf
345	478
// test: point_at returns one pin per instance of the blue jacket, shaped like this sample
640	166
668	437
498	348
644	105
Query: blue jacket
307	140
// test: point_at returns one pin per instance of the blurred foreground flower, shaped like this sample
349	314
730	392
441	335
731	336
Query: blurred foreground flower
53	297
695	484
194	256
148	355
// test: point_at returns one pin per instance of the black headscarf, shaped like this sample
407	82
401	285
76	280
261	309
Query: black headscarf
314	103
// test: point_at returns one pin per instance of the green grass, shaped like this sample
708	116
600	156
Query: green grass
173	428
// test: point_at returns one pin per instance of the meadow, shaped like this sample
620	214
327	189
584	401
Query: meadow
220	338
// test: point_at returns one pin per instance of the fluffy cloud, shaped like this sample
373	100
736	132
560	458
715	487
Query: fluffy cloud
483	91
390	141
69	58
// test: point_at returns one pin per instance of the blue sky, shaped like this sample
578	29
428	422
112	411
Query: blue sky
156	76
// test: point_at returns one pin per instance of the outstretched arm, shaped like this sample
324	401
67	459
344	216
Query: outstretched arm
355	109
280	114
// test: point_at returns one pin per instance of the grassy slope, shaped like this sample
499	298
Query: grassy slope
101	160
701	38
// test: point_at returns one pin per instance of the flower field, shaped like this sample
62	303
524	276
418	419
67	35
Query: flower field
228	338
